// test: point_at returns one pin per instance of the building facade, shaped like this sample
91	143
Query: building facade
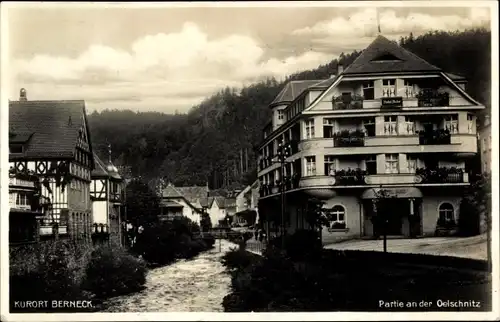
51	140
108	201
391	125
485	146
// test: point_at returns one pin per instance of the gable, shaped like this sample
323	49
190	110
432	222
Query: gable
83	136
376	59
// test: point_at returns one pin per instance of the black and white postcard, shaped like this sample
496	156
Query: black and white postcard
249	161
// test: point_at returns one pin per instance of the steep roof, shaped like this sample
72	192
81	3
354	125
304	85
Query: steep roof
50	127
193	193
383	55
100	168
456	78
291	90
103	170
171	192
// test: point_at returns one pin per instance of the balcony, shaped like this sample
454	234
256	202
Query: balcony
443	175
318	186
434	137
348	138
350	177
432	98
348	102
289	183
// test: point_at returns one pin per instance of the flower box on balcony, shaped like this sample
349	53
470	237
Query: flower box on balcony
431	98
441	175
439	136
350	177
348	102
348	138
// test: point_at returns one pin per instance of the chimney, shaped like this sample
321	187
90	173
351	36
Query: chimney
340	69
22	95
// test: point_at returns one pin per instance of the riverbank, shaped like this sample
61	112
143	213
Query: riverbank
197	284
354	281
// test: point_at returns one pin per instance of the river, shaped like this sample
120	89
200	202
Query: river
193	285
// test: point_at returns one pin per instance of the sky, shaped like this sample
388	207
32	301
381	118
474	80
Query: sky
169	59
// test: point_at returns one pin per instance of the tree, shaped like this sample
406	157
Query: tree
475	207
205	222
315	215
143	205
381	207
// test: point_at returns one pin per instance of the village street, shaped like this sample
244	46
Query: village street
196	285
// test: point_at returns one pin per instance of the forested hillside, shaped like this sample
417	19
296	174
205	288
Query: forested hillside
215	141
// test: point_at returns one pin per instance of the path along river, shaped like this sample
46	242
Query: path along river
194	285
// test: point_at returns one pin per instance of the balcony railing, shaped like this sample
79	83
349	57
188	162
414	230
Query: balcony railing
441	175
434	137
348	138
431	98
348	102
289	183
350	177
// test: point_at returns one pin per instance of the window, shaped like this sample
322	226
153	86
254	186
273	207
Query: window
310	166
310	129
412	164
409	126
446	213
368	90
470	123
369	125
391	163
371	165
330	165
409	89
22	199
280	115
390	125
388	87
336	218
328	128
451	123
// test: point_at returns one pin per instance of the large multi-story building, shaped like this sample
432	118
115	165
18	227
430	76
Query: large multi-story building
50	141
390	122
485	144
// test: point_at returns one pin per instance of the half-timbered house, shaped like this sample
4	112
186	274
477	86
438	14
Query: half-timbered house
106	191
51	140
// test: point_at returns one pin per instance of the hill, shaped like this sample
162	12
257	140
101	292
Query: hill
215	141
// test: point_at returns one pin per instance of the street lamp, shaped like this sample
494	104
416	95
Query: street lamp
284	151
380	195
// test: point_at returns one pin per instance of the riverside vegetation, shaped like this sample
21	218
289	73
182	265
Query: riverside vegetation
71	270
308	279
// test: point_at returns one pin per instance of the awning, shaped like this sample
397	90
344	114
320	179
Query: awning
170	204
408	192
244	212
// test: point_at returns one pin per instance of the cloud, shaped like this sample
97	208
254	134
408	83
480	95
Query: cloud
160	67
363	23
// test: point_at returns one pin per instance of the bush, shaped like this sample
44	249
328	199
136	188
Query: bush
168	241
237	258
339	280
300	245
113	272
55	271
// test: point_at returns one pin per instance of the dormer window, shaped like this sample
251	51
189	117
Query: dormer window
386	57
